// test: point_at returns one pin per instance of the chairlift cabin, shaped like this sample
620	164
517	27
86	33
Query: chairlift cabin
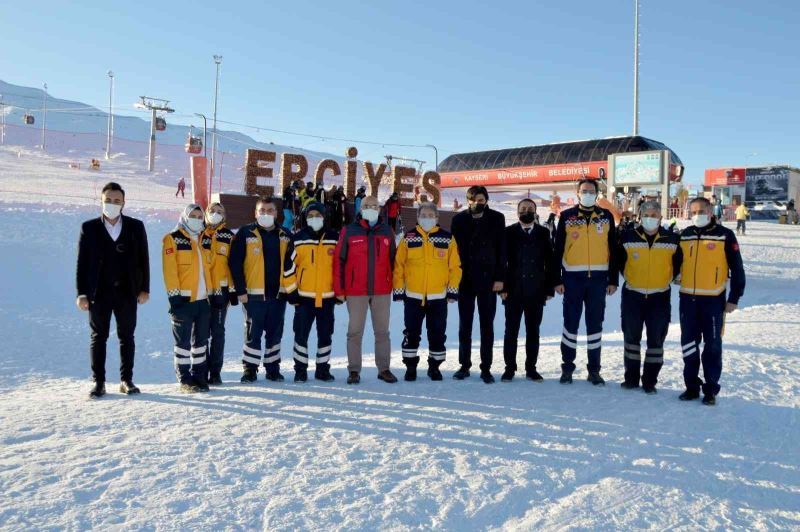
28	119
194	144
161	124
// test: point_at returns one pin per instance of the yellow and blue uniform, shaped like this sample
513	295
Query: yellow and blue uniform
427	272
261	267
711	258
217	242
585	263
649	264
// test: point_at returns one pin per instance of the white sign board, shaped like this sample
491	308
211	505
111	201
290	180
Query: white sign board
640	169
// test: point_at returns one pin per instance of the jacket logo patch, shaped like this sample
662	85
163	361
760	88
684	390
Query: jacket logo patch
223	249
575	235
256	251
442	253
711	245
330	251
735	247
168	251
635	255
599	229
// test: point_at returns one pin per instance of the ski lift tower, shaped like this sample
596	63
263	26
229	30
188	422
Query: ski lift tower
154	105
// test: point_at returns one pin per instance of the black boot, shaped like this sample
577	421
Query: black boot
353	378
98	390
507	376
709	400
128	388
250	374
201	384
689	395
566	377
433	369
628	385
273	372
411	370
323	373
300	374
534	376
595	378
487	377
215	379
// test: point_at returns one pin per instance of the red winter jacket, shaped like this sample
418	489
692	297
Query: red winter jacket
364	260
393	208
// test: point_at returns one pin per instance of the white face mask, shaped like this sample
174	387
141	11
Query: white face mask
427	224
700	220
111	210
215	218
195	225
370	215
650	224
315	223
588	199
265	220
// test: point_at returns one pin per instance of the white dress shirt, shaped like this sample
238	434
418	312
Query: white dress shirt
114	230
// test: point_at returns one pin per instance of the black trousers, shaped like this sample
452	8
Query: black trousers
532	308
487	306
434	313
216	348
123	306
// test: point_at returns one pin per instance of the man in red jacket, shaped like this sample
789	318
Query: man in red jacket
362	276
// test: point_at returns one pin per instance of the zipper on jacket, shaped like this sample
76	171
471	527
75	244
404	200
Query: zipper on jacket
696	259
588	247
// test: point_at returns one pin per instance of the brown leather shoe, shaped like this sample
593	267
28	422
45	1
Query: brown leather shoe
387	376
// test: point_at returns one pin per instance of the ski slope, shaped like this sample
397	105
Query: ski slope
424	455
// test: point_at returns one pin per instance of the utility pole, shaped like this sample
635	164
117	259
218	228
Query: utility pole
217	60
436	153
44	121
153	105
636	69
110	113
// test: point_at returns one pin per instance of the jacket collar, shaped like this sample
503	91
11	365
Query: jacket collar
418	228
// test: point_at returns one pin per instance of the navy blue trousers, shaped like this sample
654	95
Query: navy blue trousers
582	291
702	319
650	312
305	315
190	330
216	348
263	318
434	313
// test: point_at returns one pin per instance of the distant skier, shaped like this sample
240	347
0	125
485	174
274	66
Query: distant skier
181	187
710	257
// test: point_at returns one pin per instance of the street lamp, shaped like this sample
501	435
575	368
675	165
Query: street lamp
217	60
44	121
436	152
110	113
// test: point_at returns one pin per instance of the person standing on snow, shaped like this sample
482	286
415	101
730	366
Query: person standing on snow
216	241
482	249
113	275
362	277
187	279
427	272
710	256
741	219
528	285
584	251
181	187
314	299
263	273
650	258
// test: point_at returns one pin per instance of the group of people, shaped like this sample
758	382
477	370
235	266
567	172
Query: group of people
264	266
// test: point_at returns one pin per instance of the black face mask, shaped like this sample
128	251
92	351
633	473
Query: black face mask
527	217
478	208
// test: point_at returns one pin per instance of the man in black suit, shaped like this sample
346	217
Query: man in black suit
113	275
479	234
528	285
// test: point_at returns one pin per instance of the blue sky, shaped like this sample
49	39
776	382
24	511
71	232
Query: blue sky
720	80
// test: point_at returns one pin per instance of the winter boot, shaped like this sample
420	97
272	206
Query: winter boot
487	377
250	374
595	378
273	370
566	377
626	385
215	379
689	395
433	369
709	400
411	372
128	388
650	389
300	374
534	376
323	373
353	378
98	390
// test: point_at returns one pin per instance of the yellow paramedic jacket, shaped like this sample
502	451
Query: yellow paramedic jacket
584	243
649	269
217	243
313	259
427	265
180	257
710	255
246	263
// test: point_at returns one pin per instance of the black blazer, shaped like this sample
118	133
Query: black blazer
90	256
529	271
481	247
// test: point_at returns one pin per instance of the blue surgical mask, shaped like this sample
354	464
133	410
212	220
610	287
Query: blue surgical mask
427	224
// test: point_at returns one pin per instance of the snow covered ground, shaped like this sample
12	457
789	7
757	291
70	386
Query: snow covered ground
446	455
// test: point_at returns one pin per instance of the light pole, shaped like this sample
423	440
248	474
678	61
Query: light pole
110	113
44	121
636	69
205	136
217	60
436	153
